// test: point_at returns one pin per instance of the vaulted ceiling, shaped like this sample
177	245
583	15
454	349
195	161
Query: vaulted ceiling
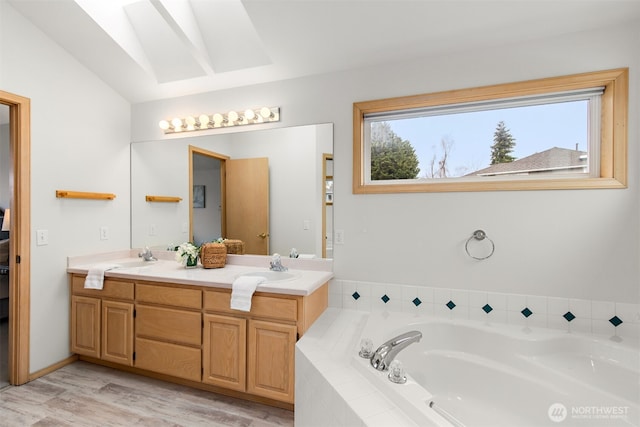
153	49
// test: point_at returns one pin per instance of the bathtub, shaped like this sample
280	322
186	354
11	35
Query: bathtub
469	373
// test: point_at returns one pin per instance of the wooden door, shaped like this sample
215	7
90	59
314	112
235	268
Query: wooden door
247	203
117	332
85	326
270	356
225	351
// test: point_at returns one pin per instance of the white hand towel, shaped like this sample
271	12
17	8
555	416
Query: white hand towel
242	290
95	276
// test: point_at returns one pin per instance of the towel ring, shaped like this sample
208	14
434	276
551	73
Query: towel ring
479	235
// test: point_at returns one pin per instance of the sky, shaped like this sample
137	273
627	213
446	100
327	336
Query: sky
535	129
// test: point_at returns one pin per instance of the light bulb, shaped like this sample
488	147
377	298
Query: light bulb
164	125
265	112
204	121
177	123
232	116
250	114
190	121
218	119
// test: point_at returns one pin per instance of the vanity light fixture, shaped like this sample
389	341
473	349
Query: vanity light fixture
219	120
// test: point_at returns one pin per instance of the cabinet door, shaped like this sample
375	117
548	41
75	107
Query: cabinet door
270	356
225	351
85	326
117	332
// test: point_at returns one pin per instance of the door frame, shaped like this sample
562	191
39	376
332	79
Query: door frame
19	245
223	158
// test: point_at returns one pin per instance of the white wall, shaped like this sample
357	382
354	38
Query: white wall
580	244
5	164
79	141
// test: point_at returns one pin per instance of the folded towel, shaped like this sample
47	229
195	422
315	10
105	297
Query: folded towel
242	290
95	276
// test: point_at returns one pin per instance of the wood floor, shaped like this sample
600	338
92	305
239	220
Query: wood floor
84	394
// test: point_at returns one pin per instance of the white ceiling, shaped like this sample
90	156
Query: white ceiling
154	49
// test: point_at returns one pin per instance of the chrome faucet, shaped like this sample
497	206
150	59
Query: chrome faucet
385	354
276	263
147	255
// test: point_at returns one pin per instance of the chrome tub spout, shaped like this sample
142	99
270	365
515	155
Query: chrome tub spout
385	354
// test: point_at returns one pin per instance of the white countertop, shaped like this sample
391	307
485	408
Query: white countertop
309	275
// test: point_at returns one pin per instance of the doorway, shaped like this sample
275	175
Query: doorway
5	165
19	124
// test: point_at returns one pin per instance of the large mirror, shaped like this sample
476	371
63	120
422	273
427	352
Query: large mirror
299	213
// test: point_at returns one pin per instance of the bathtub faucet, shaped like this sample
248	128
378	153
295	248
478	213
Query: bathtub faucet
385	354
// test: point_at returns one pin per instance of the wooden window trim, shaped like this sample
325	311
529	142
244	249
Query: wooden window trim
613	135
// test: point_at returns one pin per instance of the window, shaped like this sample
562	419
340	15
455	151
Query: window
556	133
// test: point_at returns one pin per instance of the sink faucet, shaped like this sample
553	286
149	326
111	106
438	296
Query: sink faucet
385	354
147	255
276	263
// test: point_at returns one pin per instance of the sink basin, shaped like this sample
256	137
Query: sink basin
272	276
136	263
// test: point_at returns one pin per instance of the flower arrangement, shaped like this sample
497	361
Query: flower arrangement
187	254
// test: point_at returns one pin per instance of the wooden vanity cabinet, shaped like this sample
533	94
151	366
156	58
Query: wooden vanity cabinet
190	335
254	351
102	320
169	330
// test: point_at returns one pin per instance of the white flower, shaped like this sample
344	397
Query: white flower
186	250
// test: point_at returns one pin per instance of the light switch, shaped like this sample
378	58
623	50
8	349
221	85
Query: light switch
306	224
42	237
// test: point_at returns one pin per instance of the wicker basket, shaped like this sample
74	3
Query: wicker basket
213	255
234	246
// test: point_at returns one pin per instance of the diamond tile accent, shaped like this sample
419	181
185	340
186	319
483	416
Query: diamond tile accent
487	308
416	301
385	298
451	305
355	295
526	312
569	316
615	321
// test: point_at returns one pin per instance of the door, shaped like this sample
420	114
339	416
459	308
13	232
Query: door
117	332
225	351
85	326
247	203
270	357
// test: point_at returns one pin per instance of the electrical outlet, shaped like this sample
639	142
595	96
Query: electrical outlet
42	237
339	237
152	230
104	233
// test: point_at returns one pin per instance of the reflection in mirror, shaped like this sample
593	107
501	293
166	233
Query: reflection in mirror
297	216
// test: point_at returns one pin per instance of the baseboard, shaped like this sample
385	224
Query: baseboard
42	372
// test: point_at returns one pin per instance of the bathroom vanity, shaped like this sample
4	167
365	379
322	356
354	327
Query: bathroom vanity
176	324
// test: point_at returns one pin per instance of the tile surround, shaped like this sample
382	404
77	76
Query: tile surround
570	314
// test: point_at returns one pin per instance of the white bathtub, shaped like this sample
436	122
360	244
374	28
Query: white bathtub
467	373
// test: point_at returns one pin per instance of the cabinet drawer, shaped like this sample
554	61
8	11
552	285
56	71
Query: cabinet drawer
111	288
169	359
262	306
177	297
168	324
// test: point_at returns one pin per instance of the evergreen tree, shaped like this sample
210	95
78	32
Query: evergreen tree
503	144
391	156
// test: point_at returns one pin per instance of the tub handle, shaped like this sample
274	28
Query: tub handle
479	235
